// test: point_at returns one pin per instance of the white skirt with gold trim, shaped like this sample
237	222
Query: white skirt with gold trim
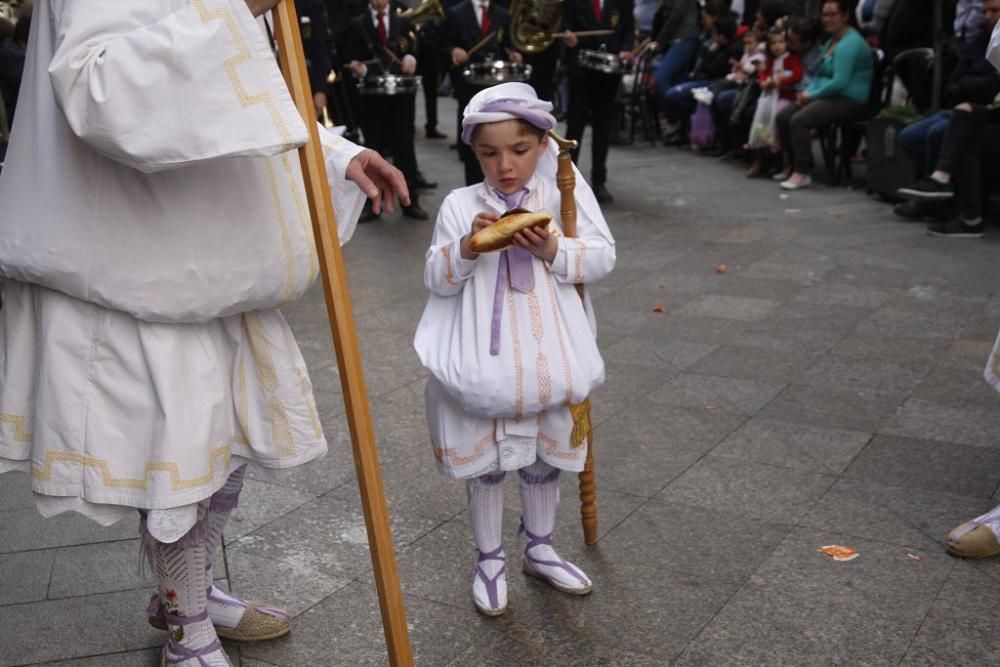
108	413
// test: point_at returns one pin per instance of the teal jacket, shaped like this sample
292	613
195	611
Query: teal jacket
847	72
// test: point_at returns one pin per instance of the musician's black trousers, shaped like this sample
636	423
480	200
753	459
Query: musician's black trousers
464	92
593	96
429	68
387	123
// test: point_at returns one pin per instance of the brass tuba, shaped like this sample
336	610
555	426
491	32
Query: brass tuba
532	24
427	10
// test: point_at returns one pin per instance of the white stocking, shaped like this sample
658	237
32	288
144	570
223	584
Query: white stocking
485	495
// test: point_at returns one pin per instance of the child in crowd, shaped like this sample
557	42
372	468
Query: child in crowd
754	56
779	76
509	343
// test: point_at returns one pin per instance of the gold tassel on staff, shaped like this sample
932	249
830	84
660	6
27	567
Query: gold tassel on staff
345	339
582	429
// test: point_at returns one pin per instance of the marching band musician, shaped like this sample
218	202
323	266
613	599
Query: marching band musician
591	90
387	120
429	36
466	25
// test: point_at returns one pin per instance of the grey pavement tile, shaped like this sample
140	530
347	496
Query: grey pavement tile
736	284
927	464
751	363
144	658
641	449
712	544
641	350
25	529
260	503
329	535
15	492
918	353
803	608
970	355
818	406
958	388
906	516
99	568
967	426
707	392
842	374
24	576
91	625
742	308
321	475
908	323
960	628
625	384
814	319
346	629
415	486
845	295
288	581
501	650
701	330
775	269
823	450
677	353
765	492
326	389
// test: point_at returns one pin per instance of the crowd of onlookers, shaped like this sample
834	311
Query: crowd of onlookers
764	87
13	44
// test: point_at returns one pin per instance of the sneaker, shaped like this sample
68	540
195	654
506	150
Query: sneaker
957	229
927	189
793	183
782	175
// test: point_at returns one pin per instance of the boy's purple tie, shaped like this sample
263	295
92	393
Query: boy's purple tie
515	263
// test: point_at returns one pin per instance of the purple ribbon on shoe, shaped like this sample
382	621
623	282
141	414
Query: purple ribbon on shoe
517	268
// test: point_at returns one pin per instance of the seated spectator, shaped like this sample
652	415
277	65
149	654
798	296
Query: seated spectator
676	26
781	73
974	81
744	73
971	141
713	63
12	65
803	40
838	92
970	22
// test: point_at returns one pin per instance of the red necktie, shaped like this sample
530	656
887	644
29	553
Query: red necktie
597	10
382	38
484	25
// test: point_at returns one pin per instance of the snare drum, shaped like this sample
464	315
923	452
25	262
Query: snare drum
389	84
490	73
600	61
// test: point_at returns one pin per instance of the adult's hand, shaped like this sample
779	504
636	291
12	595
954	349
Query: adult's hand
515	57
357	69
625	56
379	180
803	98
408	65
258	7
570	40
459	56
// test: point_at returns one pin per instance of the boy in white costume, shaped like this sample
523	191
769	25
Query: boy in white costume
153	221
980	537
507	339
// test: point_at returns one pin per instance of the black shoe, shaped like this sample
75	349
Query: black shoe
602	194
421	183
927	189
414	212
676	139
432	133
453	147
912	210
957	229
367	215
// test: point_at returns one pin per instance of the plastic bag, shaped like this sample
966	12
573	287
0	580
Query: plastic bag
702	127
763	129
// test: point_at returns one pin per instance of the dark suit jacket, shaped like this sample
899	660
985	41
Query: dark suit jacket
363	44
315	42
462	29
616	15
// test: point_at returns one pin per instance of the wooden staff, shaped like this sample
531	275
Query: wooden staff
582	426
352	379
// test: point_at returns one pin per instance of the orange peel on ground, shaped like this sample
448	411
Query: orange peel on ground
838	552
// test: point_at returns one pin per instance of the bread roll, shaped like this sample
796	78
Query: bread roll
500	234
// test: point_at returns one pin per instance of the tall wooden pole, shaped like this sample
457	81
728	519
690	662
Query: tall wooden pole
566	181
352	379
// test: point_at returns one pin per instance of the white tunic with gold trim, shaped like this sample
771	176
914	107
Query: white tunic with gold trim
153	221
547	356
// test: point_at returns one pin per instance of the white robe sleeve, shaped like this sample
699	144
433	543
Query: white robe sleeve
348	199
157	84
446	271
585	259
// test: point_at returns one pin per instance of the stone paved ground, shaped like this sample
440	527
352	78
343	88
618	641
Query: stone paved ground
826	389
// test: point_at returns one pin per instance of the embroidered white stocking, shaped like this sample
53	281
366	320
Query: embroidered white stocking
489	585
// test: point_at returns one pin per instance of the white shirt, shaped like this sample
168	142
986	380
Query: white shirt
385	19
478	8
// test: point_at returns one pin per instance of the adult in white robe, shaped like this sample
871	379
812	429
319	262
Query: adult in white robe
510	346
153	222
